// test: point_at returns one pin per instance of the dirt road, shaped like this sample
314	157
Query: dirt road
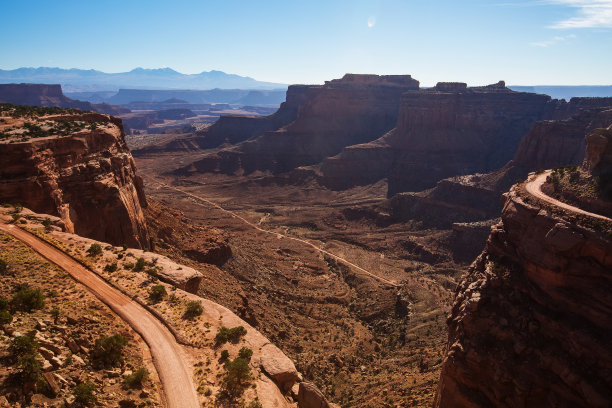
534	187
279	235
172	367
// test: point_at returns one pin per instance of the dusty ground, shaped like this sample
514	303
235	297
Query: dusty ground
363	342
81	318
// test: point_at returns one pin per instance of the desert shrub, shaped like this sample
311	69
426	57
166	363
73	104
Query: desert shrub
152	272
111	267
140	264
237	375
95	250
21	346
157	293
193	310
255	404
127	403
84	394
234	334
30	367
5	317
28	299
107	351
3	267
124	246
555	178
245	353
55	312
224	356
15	217
47	224
136	379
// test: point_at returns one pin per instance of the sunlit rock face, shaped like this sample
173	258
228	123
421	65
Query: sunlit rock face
87	178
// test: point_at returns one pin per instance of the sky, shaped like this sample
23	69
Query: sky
524	42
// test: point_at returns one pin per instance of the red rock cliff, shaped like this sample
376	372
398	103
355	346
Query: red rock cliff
532	320
88	178
446	131
354	109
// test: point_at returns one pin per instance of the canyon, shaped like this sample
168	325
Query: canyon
344	228
530	323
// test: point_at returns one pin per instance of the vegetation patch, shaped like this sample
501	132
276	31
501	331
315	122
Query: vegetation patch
233	335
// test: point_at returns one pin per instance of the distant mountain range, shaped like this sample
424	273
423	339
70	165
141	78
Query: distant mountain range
80	80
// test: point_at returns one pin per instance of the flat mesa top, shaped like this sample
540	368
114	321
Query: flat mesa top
20	124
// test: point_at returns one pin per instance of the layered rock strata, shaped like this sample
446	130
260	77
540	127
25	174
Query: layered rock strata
442	132
87	178
549	144
351	110
531	322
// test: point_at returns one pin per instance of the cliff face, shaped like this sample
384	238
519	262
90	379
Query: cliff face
554	143
234	129
549	144
39	95
352	110
532	319
446	131
88	178
50	95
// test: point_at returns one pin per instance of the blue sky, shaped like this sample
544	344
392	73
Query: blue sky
524	42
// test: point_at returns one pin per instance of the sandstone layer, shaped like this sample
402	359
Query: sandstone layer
476	197
351	110
531	322
88	178
446	131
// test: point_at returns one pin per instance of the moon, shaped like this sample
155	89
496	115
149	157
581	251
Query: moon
371	21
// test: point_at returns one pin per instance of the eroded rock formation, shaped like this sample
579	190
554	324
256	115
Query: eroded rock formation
442	132
598	158
343	112
50	95
531	323
475	197
87	178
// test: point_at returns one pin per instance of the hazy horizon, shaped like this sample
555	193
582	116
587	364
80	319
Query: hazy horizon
527	42
303	83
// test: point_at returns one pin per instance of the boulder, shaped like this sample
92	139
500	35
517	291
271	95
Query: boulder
278	367
53	385
309	396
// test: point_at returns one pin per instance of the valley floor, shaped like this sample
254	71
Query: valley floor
364	342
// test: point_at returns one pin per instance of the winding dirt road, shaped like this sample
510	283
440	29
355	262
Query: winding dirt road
534	187
279	235
171	365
